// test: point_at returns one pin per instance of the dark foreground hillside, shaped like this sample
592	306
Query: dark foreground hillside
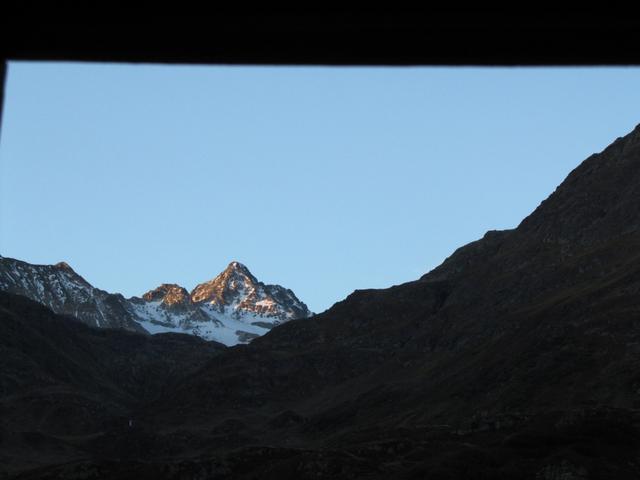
517	358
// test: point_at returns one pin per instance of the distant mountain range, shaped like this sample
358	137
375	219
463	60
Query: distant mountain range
232	308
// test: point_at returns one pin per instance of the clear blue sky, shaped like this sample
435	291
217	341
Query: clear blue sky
324	180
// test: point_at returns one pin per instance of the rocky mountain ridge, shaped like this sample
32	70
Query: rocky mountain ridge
232	308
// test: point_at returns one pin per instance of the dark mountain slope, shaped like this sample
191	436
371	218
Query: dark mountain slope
62	382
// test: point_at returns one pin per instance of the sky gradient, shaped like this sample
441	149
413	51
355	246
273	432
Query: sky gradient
323	180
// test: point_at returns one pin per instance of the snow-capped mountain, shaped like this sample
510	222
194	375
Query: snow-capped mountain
232	308
61	289
238	292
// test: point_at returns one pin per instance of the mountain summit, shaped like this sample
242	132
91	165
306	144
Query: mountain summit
236	290
234	280
232	308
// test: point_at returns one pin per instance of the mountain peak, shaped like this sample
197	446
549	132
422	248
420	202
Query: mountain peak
169	294
237	266
64	266
236	277
71	273
237	292
236	272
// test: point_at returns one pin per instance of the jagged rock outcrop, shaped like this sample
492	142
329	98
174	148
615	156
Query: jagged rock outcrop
170	295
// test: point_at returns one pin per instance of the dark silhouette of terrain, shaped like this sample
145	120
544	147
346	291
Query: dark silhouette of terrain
517	358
